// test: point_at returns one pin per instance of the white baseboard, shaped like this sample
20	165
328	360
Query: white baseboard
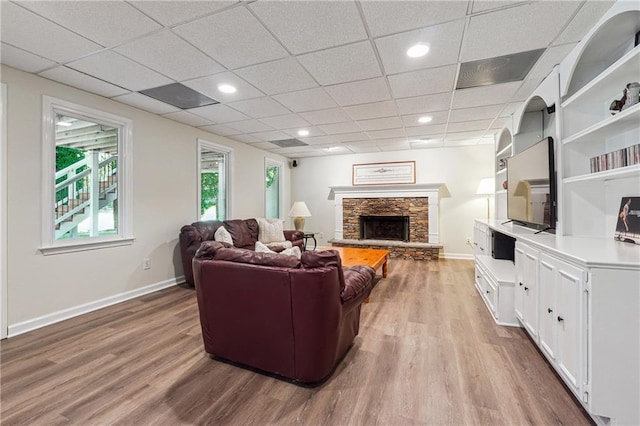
35	323
460	256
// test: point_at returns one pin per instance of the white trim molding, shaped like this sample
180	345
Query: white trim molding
429	190
228	152
269	162
43	321
3	211
50	107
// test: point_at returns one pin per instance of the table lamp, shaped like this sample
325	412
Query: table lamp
486	187
299	211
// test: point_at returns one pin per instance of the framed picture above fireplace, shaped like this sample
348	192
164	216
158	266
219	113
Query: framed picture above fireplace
384	173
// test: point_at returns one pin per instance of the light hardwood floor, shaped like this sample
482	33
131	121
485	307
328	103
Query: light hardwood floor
428	353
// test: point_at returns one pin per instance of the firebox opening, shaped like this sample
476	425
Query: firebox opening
395	228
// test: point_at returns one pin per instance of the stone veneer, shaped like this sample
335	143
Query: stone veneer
417	208
395	251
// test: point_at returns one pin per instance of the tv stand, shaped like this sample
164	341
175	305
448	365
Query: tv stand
543	230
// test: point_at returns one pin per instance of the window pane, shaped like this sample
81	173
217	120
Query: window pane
213	176
86	180
272	192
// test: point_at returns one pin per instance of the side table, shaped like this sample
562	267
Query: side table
309	235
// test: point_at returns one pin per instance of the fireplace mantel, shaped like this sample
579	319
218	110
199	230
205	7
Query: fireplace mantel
429	190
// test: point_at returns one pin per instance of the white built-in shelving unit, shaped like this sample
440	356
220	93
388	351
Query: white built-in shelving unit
504	150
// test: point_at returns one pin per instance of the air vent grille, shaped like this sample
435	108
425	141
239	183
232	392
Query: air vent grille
179	95
289	143
501	69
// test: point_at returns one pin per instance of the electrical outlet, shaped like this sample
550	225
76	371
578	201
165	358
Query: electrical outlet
146	264
469	241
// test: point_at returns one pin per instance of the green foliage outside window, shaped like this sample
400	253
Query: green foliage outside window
272	175
65	157
209	188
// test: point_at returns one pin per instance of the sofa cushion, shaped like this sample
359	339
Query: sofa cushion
255	258
291	251
243	232
270	230
223	235
319	259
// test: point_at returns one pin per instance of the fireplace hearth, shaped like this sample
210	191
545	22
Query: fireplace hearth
394	228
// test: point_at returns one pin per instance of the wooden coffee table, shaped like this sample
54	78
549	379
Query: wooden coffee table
360	256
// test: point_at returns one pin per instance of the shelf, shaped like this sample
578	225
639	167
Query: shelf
613	174
504	150
610	82
624	121
499	172
501	191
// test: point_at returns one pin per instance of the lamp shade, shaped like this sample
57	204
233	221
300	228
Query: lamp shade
299	209
486	186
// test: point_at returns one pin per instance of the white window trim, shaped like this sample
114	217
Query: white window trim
3	212
269	162
51	106
202	143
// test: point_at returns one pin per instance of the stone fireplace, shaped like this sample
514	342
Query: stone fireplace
394	228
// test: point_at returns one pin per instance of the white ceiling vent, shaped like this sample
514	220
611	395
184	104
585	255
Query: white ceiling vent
501	69
288	143
179	96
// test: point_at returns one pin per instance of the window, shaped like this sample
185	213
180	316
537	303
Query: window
273	189
213	183
86	156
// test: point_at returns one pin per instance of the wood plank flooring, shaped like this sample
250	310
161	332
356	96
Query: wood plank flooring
428	353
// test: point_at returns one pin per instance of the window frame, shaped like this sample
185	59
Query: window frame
270	162
228	152
49	245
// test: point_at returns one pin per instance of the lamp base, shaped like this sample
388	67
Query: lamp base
298	223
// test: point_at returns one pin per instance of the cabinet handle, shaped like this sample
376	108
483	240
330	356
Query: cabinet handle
560	319
488	291
520	284
549	310
526	289
482	248
475	244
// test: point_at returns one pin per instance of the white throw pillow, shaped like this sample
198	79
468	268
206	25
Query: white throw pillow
294	251
223	235
270	230
280	244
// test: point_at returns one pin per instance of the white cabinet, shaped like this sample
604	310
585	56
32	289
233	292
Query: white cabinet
526	297
481	239
563	321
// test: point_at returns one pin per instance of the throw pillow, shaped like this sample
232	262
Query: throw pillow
294	251
280	245
223	235
270	230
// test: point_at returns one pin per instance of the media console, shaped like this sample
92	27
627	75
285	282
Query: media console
578	298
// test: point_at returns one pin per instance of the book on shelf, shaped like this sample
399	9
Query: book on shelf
624	157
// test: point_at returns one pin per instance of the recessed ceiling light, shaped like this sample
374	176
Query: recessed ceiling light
303	132
425	119
64	123
226	88
418	50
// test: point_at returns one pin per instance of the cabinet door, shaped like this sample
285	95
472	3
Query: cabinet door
548	311
519	285
570	325
530	280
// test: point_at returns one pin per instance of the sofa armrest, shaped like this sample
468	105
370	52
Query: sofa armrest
293	235
190	240
358	282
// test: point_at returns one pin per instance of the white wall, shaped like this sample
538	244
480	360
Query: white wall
460	168
164	158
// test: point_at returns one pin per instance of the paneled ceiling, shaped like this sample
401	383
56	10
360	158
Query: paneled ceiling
337	69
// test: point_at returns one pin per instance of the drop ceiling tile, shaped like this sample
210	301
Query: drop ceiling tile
185	117
551	57
372	110
219	113
363	143
170	13
342	64
320	140
437	117
259	107
380	123
287	121
82	81
425	130
249	126
168	54
146	103
484	95
473	135
105	22
349	137
423	82
426	103
477	113
23	60
530	26
461	142
386	134
271	135
333	149
25	30
360	149
482	5
468	126
284	75
360	92
338	128
232	37
306	100
252	140
585	19
397	146
501	123
527	88
116	69
444	45
325	116
387	17
209	86
430	143
313	131
307	26
220	129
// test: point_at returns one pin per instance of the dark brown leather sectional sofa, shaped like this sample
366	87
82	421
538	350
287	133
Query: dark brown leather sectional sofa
293	318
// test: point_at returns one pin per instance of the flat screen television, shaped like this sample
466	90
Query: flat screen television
531	187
